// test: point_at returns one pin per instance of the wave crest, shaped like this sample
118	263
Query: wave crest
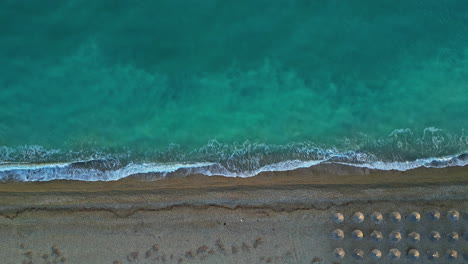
101	170
402	149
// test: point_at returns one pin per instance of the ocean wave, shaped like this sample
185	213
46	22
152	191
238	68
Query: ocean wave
76	171
100	170
402	149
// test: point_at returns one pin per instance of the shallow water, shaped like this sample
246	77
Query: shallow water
244	85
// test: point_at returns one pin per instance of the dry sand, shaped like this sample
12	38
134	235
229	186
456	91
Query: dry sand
271	218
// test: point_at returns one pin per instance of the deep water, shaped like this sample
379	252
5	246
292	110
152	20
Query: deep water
242	84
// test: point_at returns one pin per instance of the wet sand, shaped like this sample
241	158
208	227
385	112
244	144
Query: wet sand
281	217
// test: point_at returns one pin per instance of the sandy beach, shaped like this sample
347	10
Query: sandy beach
280	217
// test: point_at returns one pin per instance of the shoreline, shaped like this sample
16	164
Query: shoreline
319	175
108	170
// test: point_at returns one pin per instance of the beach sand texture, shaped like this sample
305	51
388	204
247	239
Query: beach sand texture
282	218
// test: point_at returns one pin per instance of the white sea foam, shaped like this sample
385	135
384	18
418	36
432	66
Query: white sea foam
31	166
409	165
35	163
69	171
66	171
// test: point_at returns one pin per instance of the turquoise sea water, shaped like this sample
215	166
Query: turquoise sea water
230	87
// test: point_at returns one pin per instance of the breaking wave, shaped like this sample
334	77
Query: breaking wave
401	150
102	170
